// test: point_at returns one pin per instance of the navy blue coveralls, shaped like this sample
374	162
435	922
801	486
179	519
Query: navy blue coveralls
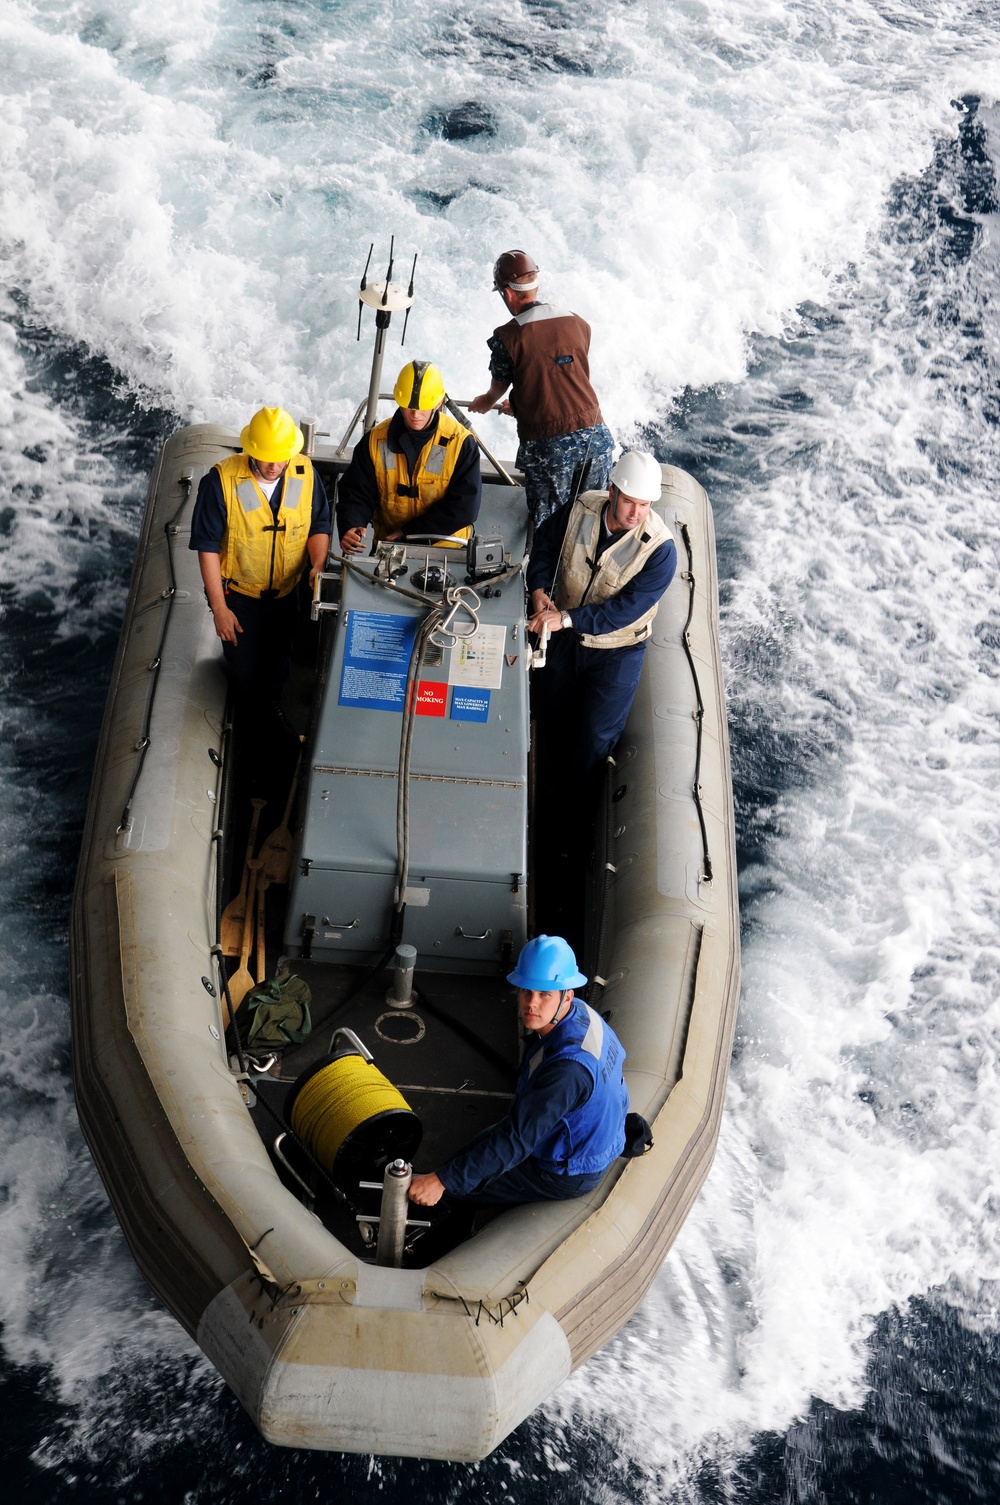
583	695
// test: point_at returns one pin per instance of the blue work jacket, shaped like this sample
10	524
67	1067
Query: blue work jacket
568	1112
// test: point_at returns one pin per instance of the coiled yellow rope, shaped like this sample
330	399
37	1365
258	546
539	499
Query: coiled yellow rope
342	1096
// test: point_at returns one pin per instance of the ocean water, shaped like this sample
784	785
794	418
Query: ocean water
782	222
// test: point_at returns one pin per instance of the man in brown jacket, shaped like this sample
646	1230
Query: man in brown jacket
541	354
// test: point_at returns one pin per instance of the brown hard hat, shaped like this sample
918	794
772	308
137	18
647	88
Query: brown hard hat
515	269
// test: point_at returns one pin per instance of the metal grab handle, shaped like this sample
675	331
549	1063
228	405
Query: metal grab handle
484	937
359	1045
282	1158
316	605
341	449
347	925
453	404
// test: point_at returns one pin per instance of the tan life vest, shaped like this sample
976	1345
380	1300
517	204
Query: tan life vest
430	481
585	580
262	554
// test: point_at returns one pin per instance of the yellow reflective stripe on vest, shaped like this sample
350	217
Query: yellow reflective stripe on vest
434	463
261	553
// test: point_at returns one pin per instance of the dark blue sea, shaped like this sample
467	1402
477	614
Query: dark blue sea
782	223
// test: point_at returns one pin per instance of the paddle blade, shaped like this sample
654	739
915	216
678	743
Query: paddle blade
239	986
276	855
231	924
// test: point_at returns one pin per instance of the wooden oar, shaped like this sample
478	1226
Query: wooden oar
235	912
276	850
261	938
241	981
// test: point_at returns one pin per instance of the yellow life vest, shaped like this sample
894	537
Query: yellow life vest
403	497
262	554
583	579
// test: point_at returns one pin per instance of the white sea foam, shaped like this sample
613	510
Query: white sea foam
67	515
191	194
195	199
856	1168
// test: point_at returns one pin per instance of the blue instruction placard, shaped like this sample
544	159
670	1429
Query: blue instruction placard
376	658
470	704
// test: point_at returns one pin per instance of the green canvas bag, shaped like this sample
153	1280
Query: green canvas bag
274	1015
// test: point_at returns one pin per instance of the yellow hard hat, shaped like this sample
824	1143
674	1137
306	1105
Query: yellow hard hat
419	385
272	436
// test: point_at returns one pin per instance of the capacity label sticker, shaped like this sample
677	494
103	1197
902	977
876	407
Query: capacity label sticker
470	705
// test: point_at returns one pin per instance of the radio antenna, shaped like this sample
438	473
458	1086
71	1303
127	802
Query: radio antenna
386	298
409	293
364	284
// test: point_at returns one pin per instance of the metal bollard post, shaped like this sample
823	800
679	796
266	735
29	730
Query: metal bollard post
308	427
400	995
392	1218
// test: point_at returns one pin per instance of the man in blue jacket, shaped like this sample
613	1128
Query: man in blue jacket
566	1125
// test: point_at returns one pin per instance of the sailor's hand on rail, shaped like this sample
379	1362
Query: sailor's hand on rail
352	541
226	624
482	403
426	1190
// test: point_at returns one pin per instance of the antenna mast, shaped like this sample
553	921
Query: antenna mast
386	298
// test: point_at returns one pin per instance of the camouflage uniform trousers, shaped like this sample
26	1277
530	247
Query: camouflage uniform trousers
558	470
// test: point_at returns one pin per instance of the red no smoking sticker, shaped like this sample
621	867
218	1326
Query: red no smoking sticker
432	698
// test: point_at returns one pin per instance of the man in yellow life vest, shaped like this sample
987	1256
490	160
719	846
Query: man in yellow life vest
416	473
261	519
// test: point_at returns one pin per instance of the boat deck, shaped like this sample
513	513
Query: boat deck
452	1054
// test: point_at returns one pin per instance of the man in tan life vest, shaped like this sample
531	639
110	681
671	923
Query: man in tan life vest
414	474
260	521
596	574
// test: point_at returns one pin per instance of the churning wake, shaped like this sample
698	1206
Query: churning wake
784	234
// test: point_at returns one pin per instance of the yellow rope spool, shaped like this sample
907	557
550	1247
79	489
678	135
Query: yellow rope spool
348	1103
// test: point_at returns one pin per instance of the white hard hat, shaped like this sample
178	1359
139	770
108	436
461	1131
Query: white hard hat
638	475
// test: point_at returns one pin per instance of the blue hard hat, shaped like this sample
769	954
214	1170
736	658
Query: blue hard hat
545	964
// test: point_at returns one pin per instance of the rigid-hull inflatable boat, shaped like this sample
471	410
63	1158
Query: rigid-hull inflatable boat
264	1251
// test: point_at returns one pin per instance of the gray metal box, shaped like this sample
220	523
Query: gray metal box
468	790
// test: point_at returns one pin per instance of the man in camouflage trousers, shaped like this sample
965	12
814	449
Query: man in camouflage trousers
542	355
